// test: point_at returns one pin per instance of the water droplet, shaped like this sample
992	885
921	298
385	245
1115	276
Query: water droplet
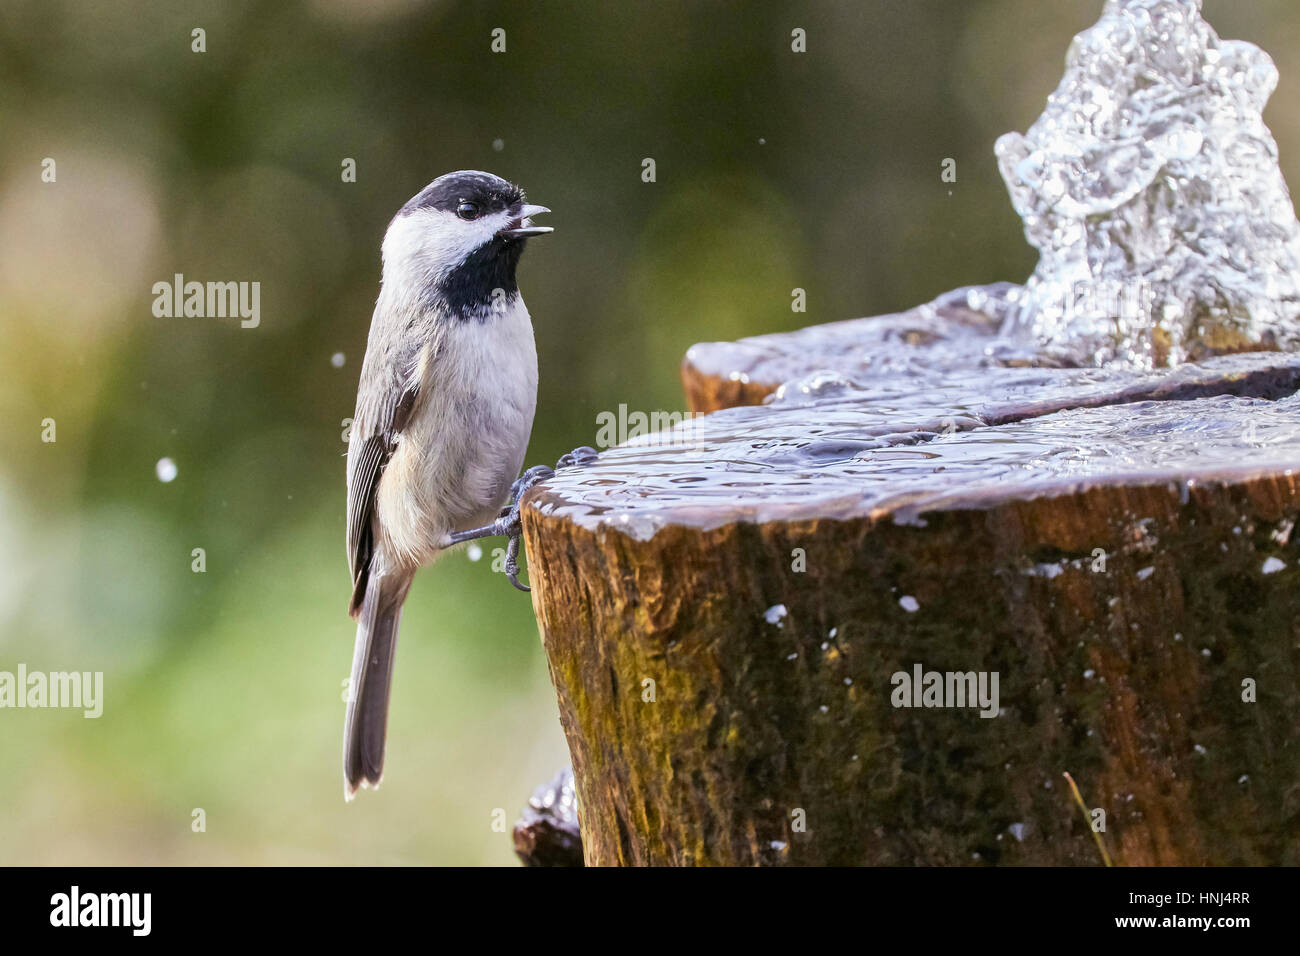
165	469
909	603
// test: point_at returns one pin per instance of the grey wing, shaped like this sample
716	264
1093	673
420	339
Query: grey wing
384	404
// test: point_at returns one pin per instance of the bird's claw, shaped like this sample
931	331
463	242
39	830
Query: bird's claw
512	563
582	455
512	522
525	481
509	523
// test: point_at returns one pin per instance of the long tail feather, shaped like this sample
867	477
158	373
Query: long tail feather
372	675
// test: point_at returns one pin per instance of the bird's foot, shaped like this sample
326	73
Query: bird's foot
582	455
525	481
509	524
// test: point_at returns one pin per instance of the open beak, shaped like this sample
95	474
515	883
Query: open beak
521	225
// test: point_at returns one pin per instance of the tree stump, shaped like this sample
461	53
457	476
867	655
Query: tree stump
948	332
733	617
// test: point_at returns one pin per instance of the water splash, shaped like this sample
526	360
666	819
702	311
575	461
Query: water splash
1151	187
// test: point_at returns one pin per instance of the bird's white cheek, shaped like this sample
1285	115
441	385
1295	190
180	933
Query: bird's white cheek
432	241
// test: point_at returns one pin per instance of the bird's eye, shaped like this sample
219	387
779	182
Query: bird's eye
467	210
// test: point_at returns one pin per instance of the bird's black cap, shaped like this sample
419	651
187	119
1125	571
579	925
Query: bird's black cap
490	193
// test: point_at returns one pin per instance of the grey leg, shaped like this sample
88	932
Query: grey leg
509	524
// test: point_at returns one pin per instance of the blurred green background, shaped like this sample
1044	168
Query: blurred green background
223	690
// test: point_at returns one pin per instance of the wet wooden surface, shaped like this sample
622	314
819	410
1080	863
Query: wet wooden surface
726	374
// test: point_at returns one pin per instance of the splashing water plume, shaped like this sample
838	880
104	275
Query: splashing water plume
1150	186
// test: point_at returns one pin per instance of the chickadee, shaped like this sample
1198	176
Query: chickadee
444	410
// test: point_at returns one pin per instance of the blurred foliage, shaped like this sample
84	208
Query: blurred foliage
223	689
